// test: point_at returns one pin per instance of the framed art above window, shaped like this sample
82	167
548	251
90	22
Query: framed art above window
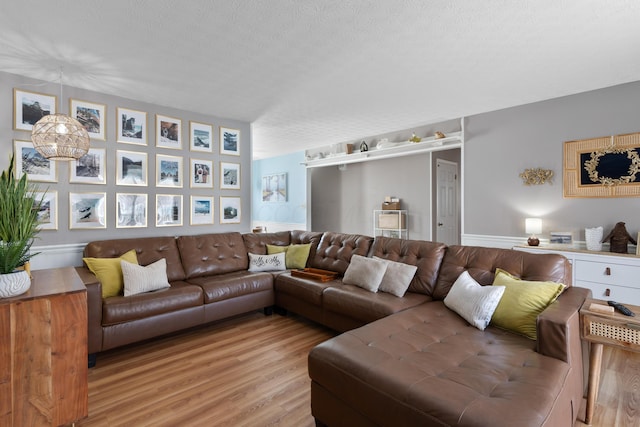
602	167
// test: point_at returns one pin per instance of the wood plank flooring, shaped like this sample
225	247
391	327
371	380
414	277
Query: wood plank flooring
252	371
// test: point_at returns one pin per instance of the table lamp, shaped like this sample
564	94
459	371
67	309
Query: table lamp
532	227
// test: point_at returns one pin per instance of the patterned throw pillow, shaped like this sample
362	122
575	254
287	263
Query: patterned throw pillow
273	262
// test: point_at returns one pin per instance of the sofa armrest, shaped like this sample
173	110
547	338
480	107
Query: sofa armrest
94	308
559	326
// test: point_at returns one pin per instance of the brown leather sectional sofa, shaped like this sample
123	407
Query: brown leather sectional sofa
402	361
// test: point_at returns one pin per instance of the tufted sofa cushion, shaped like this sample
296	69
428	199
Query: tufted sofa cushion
482	263
256	243
428	366
208	254
336	249
427	256
148	250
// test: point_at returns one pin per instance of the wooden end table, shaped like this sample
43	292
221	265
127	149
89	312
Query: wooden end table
612	329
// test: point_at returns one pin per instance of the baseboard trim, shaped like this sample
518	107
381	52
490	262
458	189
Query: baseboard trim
56	256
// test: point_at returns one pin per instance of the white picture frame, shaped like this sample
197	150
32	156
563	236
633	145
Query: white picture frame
229	176
131	168
201	173
131	126
131	210
169	171
48	210
229	141
168	132
230	210
90	168
29	107
87	210
202	208
168	210
200	137
90	115
29	161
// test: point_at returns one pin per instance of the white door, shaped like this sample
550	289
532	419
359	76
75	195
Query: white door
447	202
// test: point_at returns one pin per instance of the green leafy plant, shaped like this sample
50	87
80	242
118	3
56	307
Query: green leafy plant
18	219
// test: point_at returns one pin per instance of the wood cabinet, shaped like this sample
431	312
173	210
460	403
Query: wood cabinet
610	276
43	352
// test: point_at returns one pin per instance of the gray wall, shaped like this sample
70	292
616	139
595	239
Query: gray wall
502	144
499	146
65	236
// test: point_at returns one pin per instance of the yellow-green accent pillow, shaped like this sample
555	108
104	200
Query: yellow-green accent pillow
522	302
295	255
109	272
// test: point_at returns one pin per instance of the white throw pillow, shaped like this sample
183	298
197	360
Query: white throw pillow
139	279
364	272
397	278
275	262
472	301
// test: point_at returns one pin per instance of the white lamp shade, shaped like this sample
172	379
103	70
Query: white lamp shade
533	225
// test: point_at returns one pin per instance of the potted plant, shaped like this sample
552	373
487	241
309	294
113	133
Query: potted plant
18	228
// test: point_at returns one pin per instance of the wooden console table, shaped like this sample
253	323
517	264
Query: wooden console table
600	329
43	352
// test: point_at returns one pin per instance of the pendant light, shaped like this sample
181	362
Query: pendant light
59	136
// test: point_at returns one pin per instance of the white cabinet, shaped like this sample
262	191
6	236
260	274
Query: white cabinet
391	223
610	276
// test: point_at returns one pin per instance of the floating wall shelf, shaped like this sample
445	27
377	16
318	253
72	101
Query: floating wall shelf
406	148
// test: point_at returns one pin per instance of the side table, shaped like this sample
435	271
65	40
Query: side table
612	329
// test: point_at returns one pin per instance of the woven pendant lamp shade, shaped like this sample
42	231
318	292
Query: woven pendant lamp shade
60	137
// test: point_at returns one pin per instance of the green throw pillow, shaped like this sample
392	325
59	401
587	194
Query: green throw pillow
522	302
109	272
295	255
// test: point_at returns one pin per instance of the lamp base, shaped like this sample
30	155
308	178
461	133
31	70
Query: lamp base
533	241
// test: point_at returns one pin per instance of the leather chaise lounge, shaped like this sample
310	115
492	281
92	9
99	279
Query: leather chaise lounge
400	361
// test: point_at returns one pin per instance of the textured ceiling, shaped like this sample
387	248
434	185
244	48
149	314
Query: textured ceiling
307	73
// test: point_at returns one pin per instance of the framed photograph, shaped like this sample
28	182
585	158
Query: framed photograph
274	187
131	210
229	141
29	161
168	132
200	137
602	167
201	173
48	210
230	210
90	168
131	126
91	116
201	210
29	107
131	168
168	210
561	237
87	210
638	245
229	176
169	171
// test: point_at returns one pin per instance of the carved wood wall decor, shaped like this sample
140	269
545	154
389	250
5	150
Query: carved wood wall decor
603	167
537	176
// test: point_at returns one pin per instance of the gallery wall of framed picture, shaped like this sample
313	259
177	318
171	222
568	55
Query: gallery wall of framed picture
149	167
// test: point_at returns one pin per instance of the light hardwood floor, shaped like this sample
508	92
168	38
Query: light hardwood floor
252	371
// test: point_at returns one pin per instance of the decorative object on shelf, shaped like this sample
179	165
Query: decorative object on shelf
532	227
537	176
60	137
619	238
593	238
561	237
363	147
348	148
18	228
439	135
602	167
415	138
